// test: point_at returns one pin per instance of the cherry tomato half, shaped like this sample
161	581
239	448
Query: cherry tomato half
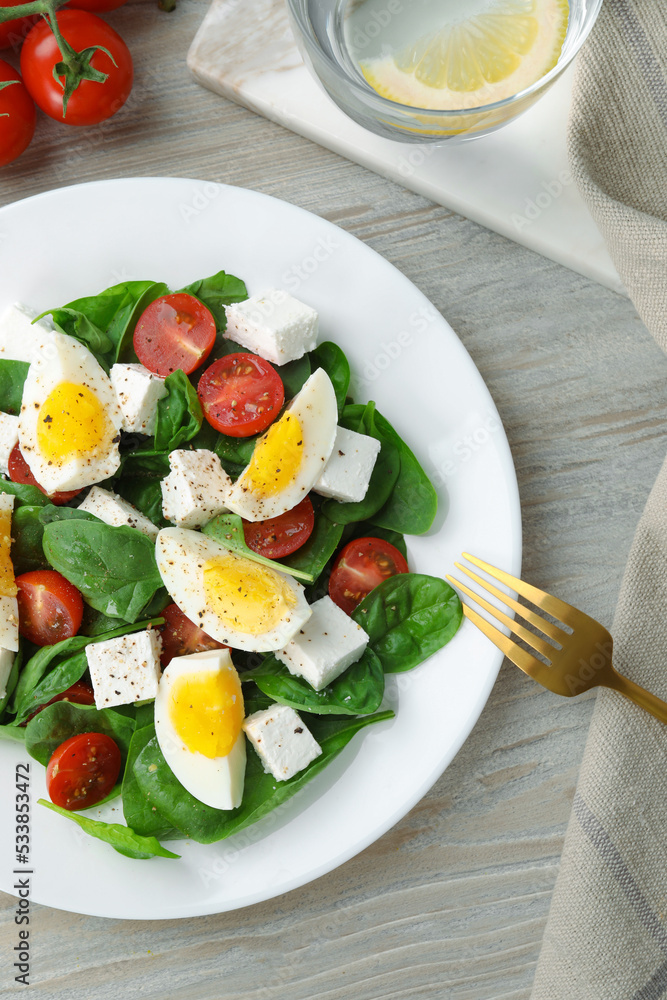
360	566
280	536
82	770
96	6
79	693
175	331
50	607
180	636
91	102
19	472
241	394
17	115
13	33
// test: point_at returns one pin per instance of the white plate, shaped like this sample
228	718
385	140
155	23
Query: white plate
78	240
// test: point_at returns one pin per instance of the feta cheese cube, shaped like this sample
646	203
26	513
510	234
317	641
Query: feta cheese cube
20	339
275	325
9	438
9	609
284	743
113	510
326	645
6	664
196	488
125	669
138	392
347	474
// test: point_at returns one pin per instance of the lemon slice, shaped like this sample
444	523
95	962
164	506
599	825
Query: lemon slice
475	60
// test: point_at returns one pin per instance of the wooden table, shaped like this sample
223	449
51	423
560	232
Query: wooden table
452	902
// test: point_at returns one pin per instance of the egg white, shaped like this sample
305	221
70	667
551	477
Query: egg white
316	410
215	781
65	360
181	555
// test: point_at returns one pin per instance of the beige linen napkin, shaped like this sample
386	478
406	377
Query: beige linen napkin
606	936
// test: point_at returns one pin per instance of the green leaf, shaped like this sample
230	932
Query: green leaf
76	324
122	838
27	531
25	494
139	813
67	672
49	658
52	513
12	378
385	471
227	530
13	733
64	719
330	357
12	680
357	691
179	413
408	618
312	557
413	504
262	793
216	292
114	568
294	374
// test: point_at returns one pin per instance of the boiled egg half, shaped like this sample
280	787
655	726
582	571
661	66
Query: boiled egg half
69	426
288	459
9	609
233	599
198	718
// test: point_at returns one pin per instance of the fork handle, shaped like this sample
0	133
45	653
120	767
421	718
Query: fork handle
649	702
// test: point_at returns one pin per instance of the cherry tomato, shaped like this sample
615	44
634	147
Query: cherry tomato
19	472
280	536
181	636
241	394
79	693
17	115
91	102
12	33
50	607
96	6
360	566
82	770
175	331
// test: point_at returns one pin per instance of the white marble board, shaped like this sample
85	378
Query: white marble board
516	181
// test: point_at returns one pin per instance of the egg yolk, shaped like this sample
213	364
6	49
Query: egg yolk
277	457
245	596
72	423
7	583
206	710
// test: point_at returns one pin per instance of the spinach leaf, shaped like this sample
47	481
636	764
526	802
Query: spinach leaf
408	617
138	297
412	505
12	733
27	531
146	496
385	471
77	324
122	838
51	513
24	493
294	374
63	719
234	453
67	672
139	813
262	793
12	680
216	292
49	658
179	413
114	568
12	378
227	530
330	357
358	691
312	557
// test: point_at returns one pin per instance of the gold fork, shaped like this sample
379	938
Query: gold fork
579	656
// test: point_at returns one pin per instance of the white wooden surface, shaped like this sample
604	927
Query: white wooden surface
452	902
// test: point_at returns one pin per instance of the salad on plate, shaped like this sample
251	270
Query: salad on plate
203	572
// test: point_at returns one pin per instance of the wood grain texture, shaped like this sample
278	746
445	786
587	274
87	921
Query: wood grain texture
452	902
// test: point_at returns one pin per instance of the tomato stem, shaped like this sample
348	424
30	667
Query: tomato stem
43	7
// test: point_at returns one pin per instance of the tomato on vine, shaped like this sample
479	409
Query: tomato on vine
77	68
12	33
17	115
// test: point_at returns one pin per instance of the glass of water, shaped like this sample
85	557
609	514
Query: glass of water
438	70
